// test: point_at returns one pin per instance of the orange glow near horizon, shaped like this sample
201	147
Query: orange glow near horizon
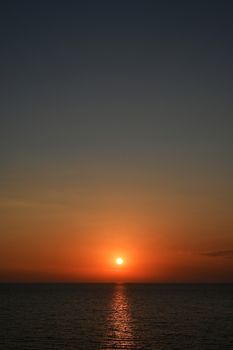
78	239
96	258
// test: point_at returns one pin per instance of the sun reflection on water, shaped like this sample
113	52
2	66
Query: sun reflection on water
119	333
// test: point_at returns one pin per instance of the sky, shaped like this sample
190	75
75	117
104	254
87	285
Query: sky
116	140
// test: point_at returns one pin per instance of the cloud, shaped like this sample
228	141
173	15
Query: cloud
14	203
219	254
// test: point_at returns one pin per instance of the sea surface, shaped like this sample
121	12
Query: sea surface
116	316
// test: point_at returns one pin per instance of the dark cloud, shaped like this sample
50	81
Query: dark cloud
219	253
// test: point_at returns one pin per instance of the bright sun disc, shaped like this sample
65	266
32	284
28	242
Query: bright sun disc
119	261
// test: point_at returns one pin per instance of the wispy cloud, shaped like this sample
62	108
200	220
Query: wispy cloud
219	253
15	203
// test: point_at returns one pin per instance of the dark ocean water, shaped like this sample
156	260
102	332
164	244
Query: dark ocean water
108	316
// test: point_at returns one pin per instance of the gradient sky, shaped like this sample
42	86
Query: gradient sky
116	140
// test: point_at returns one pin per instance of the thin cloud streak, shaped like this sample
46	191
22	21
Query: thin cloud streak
219	254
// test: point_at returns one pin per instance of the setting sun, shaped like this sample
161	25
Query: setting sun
119	261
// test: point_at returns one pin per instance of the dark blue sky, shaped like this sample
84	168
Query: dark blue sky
80	75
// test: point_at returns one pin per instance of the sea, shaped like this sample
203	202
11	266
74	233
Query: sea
116	316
